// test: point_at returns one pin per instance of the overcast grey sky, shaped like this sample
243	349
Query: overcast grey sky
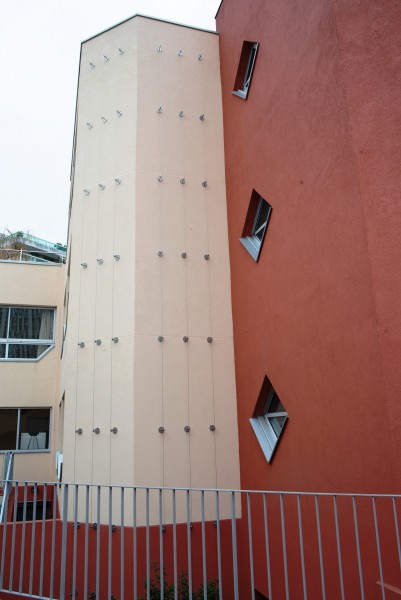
39	47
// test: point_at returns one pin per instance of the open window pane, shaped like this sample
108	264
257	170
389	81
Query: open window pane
245	69
8	428
31	324
249	68
269	419
34	429
261	219
256	222
277	423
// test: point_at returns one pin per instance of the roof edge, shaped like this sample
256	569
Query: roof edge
221	2
147	17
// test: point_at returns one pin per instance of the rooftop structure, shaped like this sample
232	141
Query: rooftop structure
22	246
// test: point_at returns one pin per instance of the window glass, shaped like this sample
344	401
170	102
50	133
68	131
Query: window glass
269	419
277	423
8	428
3	321
275	405
261	219
25	511
256	222
2	350
245	69
31	323
249	68
34	429
27	351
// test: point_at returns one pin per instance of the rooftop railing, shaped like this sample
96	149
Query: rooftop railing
104	542
31	256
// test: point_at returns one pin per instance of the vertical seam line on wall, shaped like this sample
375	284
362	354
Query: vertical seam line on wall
112	308
79	329
161	206
79	321
206	208
95	311
184	196
211	333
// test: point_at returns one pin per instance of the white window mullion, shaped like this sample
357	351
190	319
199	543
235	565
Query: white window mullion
8	324
18	427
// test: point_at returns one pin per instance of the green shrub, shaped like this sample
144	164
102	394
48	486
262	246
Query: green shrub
212	587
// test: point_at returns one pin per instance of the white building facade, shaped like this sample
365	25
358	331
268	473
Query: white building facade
148	365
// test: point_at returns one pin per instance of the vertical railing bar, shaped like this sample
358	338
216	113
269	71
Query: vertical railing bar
340	565
204	568
134	541
147	547
378	548
301	546
22	556
110	544
42	541
358	550
250	542
219	546
98	499
33	535
189	546
175	546
74	551
64	542
234	546
319	540
86	550
283	537
53	541
122	545
5	519
269	582
11	587
397	533
161	557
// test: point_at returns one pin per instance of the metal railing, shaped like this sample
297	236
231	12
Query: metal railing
105	542
32	256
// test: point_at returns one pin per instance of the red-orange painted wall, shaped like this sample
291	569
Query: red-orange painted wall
81	552
319	138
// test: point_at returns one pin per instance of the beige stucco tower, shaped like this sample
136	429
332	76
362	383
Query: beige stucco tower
148	365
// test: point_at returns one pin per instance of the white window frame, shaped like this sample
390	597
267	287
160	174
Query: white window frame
252	50
33	451
252	243
29	342
263	429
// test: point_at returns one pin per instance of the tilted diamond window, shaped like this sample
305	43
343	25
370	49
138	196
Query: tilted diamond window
269	419
256	223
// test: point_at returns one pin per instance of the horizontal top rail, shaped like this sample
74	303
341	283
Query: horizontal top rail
194	489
